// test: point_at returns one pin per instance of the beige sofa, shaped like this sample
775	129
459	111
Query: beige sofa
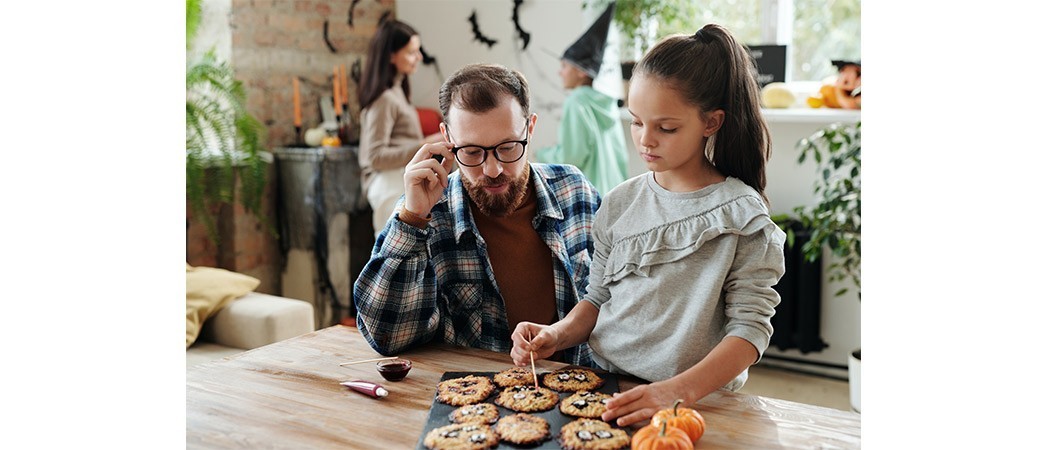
249	322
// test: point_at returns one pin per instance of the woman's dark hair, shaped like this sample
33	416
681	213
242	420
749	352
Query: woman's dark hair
713	71
479	87
391	36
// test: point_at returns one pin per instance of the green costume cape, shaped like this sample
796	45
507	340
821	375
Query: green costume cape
591	138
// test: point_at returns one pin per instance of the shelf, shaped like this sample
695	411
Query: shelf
795	115
810	115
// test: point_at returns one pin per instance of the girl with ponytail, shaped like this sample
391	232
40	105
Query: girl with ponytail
685	256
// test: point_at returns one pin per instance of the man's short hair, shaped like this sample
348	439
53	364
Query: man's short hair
478	88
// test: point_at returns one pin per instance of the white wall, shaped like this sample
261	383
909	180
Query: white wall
213	31
447	35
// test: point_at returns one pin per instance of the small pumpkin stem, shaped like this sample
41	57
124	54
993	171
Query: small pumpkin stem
675	404
662	432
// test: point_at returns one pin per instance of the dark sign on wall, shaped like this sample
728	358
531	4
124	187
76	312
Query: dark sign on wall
771	63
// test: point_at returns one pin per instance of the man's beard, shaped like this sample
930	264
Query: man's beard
499	205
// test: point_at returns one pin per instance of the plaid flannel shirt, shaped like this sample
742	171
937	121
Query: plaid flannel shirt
437	284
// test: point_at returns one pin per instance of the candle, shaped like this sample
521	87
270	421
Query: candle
298	105
337	99
345	85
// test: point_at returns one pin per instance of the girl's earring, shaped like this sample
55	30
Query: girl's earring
708	150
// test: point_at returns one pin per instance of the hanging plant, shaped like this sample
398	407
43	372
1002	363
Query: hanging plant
223	141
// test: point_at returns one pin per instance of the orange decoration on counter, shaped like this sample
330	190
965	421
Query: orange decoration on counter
686	419
660	437
331	141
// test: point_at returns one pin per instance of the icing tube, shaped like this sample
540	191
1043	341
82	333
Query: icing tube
365	387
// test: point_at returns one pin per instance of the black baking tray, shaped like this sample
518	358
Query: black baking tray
439	412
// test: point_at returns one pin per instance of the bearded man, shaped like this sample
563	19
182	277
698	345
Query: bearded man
472	252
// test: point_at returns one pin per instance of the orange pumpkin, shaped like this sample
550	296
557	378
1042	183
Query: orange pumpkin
686	419
652	437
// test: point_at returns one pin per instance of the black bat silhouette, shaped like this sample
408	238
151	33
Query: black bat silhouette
477	35
426	58
352	6
327	40
516	24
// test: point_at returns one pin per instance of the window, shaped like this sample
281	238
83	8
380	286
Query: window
814	31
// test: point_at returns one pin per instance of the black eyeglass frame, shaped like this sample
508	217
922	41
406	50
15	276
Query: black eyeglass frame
523	143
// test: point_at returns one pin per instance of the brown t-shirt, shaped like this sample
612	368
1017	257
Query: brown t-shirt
522	262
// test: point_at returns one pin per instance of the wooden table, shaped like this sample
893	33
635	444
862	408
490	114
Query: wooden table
287	395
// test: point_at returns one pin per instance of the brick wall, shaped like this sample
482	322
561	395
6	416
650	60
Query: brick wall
244	245
276	40
273	41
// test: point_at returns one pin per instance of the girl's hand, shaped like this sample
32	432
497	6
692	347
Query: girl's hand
641	402
543	342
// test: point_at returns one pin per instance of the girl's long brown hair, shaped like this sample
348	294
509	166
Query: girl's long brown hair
713	71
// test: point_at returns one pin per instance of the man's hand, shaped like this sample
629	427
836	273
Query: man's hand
543	341
425	179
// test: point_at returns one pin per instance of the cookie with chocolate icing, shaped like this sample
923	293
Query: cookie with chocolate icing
514	377
590	434
527	398
571	380
483	413
469	436
522	429
466	390
587	404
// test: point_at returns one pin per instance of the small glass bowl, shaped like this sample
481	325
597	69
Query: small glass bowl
393	369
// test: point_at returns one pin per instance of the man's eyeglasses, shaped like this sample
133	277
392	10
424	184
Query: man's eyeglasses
505	152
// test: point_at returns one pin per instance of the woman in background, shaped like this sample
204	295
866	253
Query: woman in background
390	132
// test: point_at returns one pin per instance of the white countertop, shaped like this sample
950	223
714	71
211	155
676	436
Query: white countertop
796	115
810	115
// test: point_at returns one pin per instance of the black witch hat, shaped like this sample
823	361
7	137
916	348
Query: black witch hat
588	51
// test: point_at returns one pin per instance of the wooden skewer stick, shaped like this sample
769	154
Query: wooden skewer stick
531	354
367	360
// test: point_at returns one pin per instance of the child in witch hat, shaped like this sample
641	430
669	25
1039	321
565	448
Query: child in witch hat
590	135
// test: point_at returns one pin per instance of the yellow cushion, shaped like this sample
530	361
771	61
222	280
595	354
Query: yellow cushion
208	289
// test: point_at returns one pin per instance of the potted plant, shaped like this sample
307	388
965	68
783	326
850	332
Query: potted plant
223	141
835	220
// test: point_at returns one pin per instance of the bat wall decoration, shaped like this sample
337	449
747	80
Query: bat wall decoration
352	6
524	35
328	40
477	35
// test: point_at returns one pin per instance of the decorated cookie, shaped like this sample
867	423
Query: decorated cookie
590	434
527	398
461	436
585	404
467	390
571	380
514	377
483	413
522	429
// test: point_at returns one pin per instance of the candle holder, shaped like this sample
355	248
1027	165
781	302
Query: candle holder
342	123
